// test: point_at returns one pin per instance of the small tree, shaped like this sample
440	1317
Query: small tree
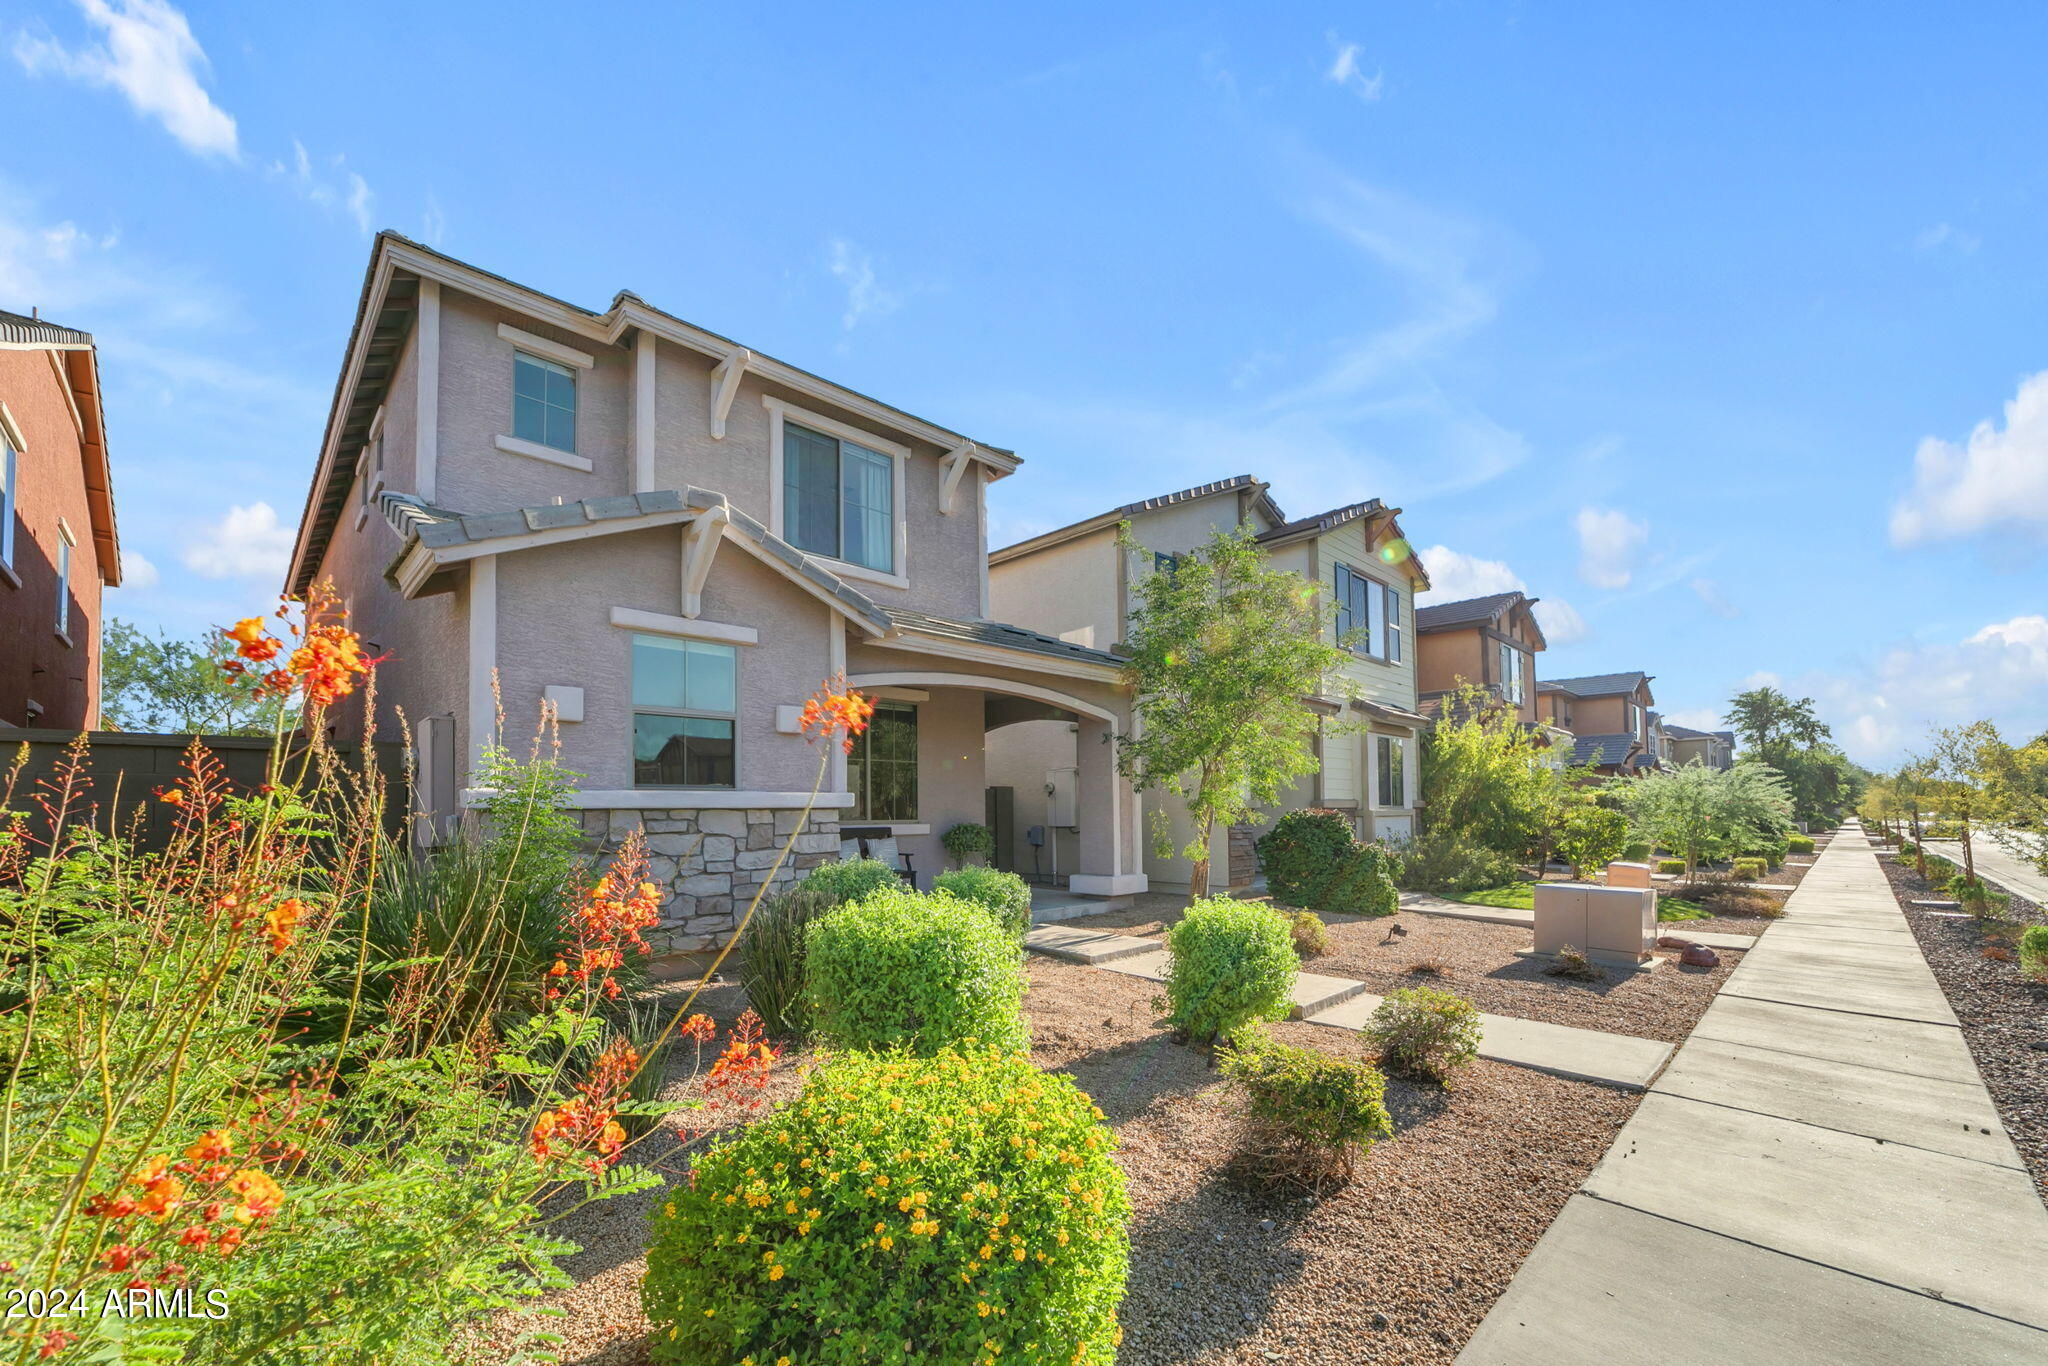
154	683
1705	813
1591	836
2016	793
1483	776
1961	757
1223	648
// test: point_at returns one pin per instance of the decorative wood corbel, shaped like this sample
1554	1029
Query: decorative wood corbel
701	535
725	387
952	465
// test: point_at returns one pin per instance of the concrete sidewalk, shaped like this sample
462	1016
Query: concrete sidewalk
1818	1176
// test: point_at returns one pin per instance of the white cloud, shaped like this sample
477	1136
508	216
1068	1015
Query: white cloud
1999	672
359	198
433	223
1717	602
1455	576
1611	543
147	53
855	269
246	543
1345	71
1946	235
1695	718
136	570
312	186
1763	678
1998	479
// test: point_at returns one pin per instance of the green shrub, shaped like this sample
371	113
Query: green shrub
959	1208
966	838
914	970
1445	862
1591	837
1636	852
1233	964
2034	952
771	952
1670	865
1748	869
1309	1116
1424	1033
1311	937
1799	844
1313	860
1003	895
1975	895
851	879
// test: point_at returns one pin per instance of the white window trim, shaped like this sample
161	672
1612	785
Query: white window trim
541	346
62	628
899	457
533	450
10	501
634	709
918	709
693	628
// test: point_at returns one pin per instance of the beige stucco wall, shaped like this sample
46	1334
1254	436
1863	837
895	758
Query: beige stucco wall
554	627
1020	756
1067	590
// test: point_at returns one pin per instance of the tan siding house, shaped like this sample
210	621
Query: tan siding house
1608	716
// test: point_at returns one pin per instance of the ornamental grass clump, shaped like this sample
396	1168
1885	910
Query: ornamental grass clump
1004	895
1308	1117
1424	1033
1233	965
771	954
1748	869
919	971
957	1208
1310	935
2034	952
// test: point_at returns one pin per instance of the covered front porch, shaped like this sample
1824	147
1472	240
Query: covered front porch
1028	752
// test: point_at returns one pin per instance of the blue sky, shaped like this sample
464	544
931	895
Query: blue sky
1719	329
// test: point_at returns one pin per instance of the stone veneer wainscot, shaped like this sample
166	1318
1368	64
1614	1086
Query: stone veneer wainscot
709	863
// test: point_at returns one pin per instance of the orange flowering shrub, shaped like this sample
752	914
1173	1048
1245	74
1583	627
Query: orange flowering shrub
608	924
832	713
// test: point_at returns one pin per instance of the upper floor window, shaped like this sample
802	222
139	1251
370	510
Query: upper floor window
838	498
65	540
1354	593
1390	618
543	402
881	770
1513	676
1164	562
1393	774
685	705
1635	721
10	471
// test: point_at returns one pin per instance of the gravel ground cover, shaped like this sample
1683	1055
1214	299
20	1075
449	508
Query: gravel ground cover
2003	1015
1399	1266
1479	962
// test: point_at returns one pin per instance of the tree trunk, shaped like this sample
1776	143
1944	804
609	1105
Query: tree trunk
1919	854
1969	853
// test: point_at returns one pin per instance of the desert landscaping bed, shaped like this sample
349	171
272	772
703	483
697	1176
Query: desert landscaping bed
2004	1016
1398	1266
1479	962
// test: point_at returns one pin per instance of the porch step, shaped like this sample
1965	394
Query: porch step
1314	993
1093	948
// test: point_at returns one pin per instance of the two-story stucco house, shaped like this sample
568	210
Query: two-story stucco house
1074	583
674	540
1609	714
58	547
1714	748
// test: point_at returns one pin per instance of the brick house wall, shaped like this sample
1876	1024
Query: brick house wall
35	662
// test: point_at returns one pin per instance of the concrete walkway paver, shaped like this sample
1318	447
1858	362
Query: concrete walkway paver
1342	1003
1811	1179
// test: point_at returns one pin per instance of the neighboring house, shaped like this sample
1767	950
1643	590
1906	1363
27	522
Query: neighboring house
1715	748
1608	716
58	547
1073	583
674	540
1490	642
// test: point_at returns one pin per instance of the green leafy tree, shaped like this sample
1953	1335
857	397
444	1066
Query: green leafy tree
1961	758
1786	734
1223	648
1703	813
1484	777
153	683
1591	837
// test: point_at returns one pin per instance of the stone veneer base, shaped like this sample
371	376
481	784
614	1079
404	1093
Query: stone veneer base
709	863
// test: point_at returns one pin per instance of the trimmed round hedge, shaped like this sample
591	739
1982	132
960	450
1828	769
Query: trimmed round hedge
1004	895
960	1208
919	971
1233	964
850	879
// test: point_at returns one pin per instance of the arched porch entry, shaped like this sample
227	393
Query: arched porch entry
975	732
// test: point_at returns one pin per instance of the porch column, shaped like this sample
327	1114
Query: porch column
1112	858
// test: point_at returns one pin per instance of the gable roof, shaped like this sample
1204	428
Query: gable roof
1678	732
1303	528
1596	685
1451	616
1000	634
1074	530
385	312
77	360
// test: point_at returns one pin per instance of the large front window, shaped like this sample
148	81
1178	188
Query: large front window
1354	593
1393	776
838	498
881	772
685	699
1512	675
